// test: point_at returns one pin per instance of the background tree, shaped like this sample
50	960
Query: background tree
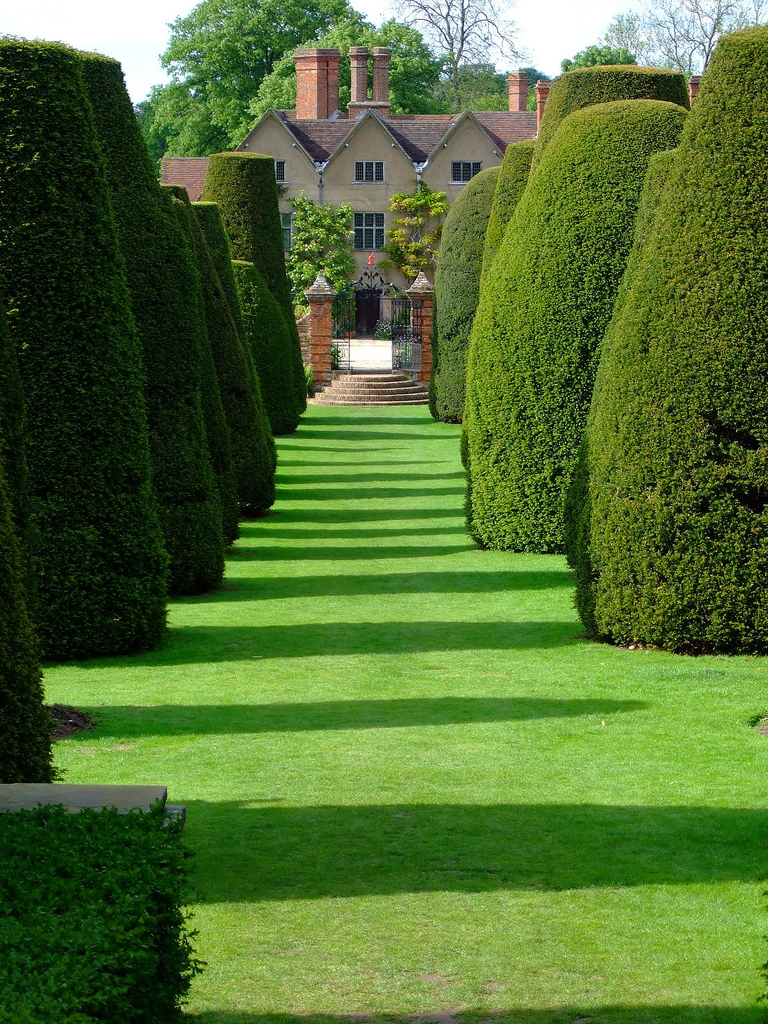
593	56
321	239
217	57
462	32
414	239
682	34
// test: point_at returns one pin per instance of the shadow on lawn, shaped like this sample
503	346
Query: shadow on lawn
277	588
558	1015
340	516
338	553
397	713
245	852
380	532
212	644
341	477
318	493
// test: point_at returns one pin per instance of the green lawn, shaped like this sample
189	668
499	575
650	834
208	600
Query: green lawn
413	789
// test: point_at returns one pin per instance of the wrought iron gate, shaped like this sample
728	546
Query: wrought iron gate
374	308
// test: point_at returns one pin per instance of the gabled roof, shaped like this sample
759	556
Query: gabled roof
188	171
418	135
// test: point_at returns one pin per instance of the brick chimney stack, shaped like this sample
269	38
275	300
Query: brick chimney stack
317	83
381	76
542	91
694	83
358	62
517	84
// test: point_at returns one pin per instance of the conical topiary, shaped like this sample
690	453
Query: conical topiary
253	446
677	449
266	336
259	321
604	83
244	187
162	281
578	501
545	306
457	288
25	736
100	562
513	177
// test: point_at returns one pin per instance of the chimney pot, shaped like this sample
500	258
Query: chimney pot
358	62
381	56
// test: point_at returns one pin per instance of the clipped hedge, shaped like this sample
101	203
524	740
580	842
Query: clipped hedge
584	87
457	289
578	502
92	925
513	177
244	187
13	448
25	736
546	305
162	281
677	445
260	323
266	336
100	561
253	446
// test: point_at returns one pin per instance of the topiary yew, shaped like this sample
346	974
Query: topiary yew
253	446
259	321
513	177
266	335
244	187
162	281
584	87
100	561
25	736
676	540
578	501
457	288
544	309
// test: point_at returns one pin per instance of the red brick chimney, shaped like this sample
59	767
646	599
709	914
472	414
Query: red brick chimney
379	102
517	83
381	76
317	83
542	91
693	87
358	63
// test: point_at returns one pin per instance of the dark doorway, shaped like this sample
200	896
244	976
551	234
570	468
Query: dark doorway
367	312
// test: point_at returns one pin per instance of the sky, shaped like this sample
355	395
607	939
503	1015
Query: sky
136	33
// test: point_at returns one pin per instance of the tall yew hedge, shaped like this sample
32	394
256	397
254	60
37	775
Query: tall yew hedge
676	543
545	306
513	177
457	288
259	321
584	87
25	733
244	187
162	281
266	335
100	561
253	446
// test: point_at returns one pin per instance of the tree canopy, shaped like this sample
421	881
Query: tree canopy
594	56
217	57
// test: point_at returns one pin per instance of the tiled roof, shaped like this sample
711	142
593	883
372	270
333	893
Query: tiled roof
418	134
321	139
188	171
506	126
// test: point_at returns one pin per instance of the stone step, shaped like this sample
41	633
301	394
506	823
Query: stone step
332	400
403	389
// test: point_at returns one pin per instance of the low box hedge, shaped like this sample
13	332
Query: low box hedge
92	925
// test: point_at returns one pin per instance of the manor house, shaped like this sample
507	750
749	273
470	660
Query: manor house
366	155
